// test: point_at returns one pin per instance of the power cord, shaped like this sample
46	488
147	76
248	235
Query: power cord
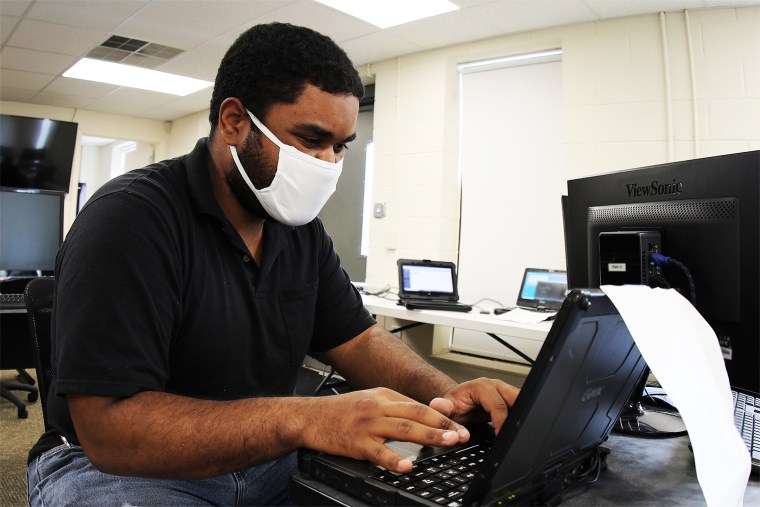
663	260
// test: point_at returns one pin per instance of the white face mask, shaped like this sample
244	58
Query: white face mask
301	185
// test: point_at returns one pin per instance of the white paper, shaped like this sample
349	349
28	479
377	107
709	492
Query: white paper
525	316
683	352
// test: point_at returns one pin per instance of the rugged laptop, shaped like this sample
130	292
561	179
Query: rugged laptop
542	289
584	374
429	285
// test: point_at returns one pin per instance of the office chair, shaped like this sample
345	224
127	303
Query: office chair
8	386
38	297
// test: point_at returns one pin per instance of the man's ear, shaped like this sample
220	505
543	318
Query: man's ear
234	123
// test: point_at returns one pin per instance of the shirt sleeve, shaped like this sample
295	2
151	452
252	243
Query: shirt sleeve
117	298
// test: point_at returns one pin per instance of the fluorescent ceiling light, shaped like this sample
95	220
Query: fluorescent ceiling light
135	77
387	13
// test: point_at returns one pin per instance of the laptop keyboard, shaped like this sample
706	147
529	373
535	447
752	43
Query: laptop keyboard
747	421
442	479
426	304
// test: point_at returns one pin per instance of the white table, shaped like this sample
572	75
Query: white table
526	338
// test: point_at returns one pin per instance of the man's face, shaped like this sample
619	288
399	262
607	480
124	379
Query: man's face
319	124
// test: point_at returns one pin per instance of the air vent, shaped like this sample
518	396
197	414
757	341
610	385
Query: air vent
135	52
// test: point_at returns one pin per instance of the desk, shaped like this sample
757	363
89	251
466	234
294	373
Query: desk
526	337
640	471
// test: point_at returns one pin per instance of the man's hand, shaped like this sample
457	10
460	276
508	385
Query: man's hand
477	400
357	425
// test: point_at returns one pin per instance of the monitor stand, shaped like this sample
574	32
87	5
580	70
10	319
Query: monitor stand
649	417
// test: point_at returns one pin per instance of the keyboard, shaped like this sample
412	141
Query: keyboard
12	301
747	421
442	479
426	304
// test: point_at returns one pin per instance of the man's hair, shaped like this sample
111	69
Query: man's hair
272	63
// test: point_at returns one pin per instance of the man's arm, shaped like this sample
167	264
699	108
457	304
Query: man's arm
163	435
377	358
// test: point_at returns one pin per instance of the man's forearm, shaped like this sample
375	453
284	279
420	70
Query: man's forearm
377	358
163	435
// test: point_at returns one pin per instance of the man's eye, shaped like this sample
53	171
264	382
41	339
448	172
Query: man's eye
337	148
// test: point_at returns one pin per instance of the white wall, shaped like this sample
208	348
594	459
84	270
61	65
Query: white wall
619	111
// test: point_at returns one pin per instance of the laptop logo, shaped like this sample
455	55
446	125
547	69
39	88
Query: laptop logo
592	393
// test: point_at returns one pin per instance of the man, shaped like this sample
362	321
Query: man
190	291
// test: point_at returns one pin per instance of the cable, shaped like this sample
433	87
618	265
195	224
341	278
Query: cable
664	260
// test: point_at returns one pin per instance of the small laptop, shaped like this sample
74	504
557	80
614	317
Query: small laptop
581	380
429	285
542	289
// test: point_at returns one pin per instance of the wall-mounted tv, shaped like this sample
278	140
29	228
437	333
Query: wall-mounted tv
36	153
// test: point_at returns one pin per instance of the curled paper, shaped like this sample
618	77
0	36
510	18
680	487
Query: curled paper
682	351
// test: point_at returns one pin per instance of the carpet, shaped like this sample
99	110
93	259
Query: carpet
17	436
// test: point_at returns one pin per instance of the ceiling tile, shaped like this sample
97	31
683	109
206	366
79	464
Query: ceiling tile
43	36
62	100
80	88
84	13
15	7
35	61
7	23
16	95
193	22
201	63
378	46
333	23
24	80
447	29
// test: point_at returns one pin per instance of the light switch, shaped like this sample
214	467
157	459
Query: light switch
379	210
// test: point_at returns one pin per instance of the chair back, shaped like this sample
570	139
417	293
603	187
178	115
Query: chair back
38	297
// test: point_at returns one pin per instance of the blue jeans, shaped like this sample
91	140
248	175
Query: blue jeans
64	476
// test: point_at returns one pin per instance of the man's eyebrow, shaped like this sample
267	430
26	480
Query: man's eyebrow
322	132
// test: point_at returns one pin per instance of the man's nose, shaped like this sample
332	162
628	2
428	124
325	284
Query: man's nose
328	155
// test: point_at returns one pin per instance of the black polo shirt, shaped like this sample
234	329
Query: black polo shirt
156	291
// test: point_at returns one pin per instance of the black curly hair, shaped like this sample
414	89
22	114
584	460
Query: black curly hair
272	63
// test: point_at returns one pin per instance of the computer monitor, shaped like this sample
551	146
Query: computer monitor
706	214
31	231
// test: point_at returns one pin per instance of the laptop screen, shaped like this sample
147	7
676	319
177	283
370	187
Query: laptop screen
427	279
542	288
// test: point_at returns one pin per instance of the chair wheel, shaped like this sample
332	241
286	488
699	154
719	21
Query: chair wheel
22	413
32	397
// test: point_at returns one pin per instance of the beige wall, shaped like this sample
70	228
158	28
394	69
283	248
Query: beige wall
620	111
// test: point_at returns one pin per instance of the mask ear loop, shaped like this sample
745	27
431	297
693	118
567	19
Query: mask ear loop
266	131
239	166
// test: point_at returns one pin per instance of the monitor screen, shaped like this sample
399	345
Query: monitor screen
31	230
36	153
427	279
706	214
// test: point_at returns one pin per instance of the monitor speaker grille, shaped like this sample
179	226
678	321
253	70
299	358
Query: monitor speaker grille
703	209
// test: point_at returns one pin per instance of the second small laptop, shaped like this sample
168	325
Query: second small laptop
429	285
